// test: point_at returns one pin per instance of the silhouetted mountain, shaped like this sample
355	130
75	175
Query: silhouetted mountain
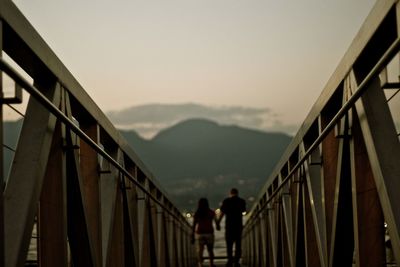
199	158
149	119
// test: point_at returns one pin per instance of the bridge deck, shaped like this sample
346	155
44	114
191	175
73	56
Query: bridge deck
219	263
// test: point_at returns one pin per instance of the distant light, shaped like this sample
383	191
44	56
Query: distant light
385	225
188	215
244	213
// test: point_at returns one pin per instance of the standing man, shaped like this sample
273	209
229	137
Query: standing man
233	207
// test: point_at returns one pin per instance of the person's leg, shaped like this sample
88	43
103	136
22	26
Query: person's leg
238	248
210	248
229	245
200	248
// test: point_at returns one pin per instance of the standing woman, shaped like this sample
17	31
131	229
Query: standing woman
203	230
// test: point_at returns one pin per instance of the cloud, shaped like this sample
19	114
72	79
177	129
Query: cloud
149	119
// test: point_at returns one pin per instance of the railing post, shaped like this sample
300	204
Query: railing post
369	232
52	215
27	173
154	225
383	148
132	210
78	233
2	178
163	243
89	166
111	209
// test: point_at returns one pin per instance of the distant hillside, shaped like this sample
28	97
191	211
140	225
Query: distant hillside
197	158
148	119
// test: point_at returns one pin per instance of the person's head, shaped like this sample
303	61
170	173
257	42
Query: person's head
234	192
203	204
202	207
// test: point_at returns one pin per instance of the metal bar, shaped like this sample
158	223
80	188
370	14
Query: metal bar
369	232
9	148
314	181
26	176
393	95
311	242
393	49
53	208
16	110
117	246
132	203
2	178
129	253
56	112
82	251
108	199
91	188
383	149
330	150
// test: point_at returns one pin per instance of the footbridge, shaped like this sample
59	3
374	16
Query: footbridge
78	195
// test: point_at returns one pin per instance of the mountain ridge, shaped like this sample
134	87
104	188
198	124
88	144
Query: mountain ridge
149	119
201	158
198	158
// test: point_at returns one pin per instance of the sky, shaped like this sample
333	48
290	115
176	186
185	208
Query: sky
260	54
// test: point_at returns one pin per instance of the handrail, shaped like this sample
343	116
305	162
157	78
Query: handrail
393	49
60	115
321	210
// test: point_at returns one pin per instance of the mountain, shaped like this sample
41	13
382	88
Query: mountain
148	119
200	158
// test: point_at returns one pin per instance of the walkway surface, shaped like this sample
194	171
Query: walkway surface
219	248
218	263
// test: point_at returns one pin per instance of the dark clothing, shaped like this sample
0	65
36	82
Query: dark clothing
203	222
233	207
233	238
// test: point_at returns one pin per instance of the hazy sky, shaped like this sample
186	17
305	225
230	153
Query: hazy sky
268	54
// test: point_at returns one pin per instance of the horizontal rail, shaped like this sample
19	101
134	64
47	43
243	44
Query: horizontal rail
92	220
393	49
333	198
60	115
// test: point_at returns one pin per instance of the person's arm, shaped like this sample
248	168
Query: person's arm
221	214
218	220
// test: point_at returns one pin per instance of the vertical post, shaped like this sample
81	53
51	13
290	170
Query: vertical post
132	206
2	180
82	251
52	215
162	244
369	233
89	167
383	148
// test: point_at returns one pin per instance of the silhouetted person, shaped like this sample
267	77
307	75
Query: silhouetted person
203	230
233	207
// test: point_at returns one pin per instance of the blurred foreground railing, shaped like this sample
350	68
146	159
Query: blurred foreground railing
334	197
75	193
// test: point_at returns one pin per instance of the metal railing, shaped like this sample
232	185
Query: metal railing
333	199
95	202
